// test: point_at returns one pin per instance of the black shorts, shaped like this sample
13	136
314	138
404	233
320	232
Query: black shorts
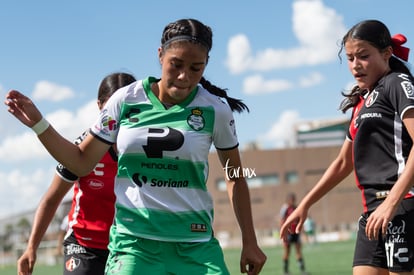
394	251
292	238
81	260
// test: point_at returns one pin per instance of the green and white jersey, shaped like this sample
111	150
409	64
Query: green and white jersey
163	160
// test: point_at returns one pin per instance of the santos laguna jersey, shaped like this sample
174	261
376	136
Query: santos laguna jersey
381	141
162	160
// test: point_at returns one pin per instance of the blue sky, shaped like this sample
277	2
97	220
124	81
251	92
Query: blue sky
280	57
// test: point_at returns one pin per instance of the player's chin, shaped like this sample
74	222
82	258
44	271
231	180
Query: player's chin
180	94
363	85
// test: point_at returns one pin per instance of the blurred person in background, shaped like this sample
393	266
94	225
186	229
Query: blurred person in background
293	237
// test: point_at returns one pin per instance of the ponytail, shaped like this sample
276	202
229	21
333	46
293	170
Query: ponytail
351	99
234	103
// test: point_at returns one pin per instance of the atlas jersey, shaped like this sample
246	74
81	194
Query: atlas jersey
285	212
93	203
381	143
353	126
163	160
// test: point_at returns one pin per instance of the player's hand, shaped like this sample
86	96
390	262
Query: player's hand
298	216
22	108
378	220
26	262
252	260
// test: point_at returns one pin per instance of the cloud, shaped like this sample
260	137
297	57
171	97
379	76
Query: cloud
25	146
45	90
22	190
317	28
72	124
22	147
239	53
257	85
312	79
282	132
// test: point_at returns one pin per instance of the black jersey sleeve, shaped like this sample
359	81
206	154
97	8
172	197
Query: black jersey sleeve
65	174
401	92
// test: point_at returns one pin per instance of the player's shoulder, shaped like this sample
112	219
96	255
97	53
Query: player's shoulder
132	88
396	81
207	99
133	92
128	89
396	78
284	208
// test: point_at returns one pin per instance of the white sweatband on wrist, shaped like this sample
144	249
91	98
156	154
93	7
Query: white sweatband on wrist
41	126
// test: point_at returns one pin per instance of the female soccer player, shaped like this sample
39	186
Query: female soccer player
379	148
163	128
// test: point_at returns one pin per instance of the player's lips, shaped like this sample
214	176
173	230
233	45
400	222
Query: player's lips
359	75
181	88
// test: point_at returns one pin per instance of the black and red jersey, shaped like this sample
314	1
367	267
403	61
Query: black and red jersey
381	143
93	202
285	212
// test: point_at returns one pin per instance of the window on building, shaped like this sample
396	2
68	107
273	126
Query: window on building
292	177
255	182
221	185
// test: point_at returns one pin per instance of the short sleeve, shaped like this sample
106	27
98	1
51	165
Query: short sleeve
225	136
401	93
106	126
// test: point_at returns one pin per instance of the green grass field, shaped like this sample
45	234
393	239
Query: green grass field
320	259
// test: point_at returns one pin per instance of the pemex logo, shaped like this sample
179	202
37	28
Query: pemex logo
109	123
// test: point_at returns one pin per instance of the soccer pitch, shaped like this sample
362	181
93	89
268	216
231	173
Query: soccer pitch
320	259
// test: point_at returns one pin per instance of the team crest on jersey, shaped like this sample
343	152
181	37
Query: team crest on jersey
371	99
408	88
196	119
72	264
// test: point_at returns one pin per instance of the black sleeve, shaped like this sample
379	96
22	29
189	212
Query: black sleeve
65	174
401	92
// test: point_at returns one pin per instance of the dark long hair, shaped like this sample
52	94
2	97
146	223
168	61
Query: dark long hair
196	32
351	98
111	83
